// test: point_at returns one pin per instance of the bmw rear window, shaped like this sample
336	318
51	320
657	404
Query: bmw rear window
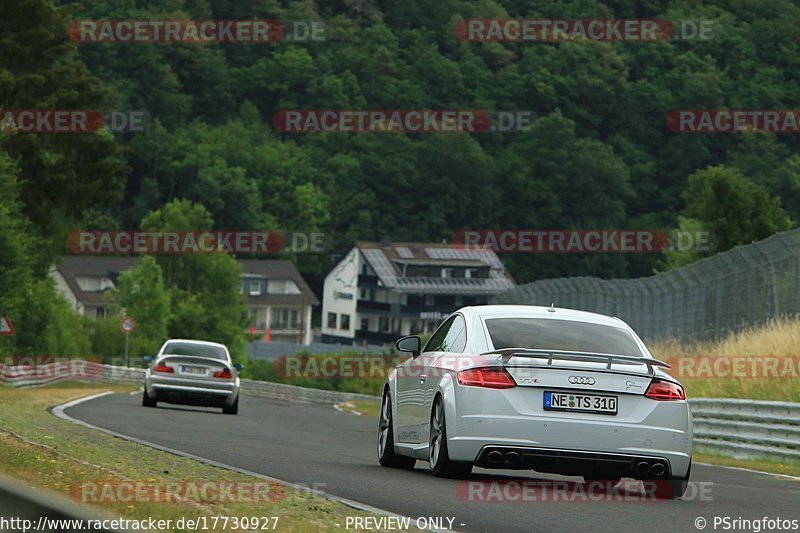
197	350
567	335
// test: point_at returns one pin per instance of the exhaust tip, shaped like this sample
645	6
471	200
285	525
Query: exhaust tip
658	469
642	467
494	457
512	458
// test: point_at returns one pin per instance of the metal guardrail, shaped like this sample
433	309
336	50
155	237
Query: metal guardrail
734	427
747	428
88	371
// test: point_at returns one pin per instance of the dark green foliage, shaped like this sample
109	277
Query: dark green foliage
599	156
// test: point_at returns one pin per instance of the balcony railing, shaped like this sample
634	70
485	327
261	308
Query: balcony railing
376	336
367	305
367	281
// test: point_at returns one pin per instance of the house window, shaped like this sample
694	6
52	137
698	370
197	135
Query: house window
101	312
332	320
255	288
416	300
470	272
365	324
447	273
444	301
285	319
383	324
345	322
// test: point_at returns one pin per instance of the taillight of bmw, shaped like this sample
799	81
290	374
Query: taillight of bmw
492	378
161	368
223	374
665	391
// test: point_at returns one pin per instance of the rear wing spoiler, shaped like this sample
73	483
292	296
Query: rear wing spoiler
589	357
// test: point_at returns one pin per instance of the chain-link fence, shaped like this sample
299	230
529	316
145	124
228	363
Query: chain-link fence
742	287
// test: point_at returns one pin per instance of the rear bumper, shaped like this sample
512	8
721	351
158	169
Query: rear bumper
569	443
599	465
191	392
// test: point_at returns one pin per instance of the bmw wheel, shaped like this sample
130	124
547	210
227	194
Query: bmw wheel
147	401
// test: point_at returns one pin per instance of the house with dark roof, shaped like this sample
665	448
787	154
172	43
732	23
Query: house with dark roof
381	291
278	300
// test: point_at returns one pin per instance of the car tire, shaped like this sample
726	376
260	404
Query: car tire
147	401
672	488
386	454
440	462
232	409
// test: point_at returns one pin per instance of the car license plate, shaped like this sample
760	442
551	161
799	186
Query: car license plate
200	371
580	403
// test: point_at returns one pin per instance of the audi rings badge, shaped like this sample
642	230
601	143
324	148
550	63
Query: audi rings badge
582	380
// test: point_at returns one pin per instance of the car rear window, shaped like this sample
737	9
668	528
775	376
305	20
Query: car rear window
554	334
198	350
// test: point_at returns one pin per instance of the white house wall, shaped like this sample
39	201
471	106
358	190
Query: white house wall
340	294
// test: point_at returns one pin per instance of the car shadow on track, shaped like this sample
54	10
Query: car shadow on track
191	409
489	487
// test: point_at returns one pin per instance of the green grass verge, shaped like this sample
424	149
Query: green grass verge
44	451
775	466
773	389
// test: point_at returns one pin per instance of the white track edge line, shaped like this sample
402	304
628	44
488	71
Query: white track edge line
58	411
743	469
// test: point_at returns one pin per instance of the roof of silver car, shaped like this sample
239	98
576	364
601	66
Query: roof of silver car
534	311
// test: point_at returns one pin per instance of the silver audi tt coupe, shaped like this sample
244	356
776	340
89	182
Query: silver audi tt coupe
192	372
553	390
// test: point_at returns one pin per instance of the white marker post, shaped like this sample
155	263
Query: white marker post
127	324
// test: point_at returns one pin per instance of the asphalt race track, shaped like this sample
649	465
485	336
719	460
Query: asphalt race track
314	444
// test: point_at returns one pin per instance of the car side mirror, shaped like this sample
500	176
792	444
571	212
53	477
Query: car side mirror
148	358
238	366
411	344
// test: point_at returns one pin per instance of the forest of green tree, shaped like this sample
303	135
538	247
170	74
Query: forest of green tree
598	155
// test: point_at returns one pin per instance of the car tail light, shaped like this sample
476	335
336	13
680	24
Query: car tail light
223	374
665	390
164	369
493	378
